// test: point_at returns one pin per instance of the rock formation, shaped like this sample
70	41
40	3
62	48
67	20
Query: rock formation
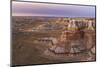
72	39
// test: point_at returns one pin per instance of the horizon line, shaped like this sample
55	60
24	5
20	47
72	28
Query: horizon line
56	16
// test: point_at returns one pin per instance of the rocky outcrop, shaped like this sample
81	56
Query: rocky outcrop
73	38
81	25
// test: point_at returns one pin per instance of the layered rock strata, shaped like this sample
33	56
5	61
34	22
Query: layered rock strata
77	37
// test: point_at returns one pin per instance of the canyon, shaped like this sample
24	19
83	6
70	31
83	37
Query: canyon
53	39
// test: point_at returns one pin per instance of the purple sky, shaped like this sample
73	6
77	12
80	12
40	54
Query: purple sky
43	9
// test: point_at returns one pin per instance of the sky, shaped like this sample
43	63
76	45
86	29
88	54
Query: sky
58	10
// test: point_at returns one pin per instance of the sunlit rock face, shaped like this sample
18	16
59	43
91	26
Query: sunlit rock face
77	36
